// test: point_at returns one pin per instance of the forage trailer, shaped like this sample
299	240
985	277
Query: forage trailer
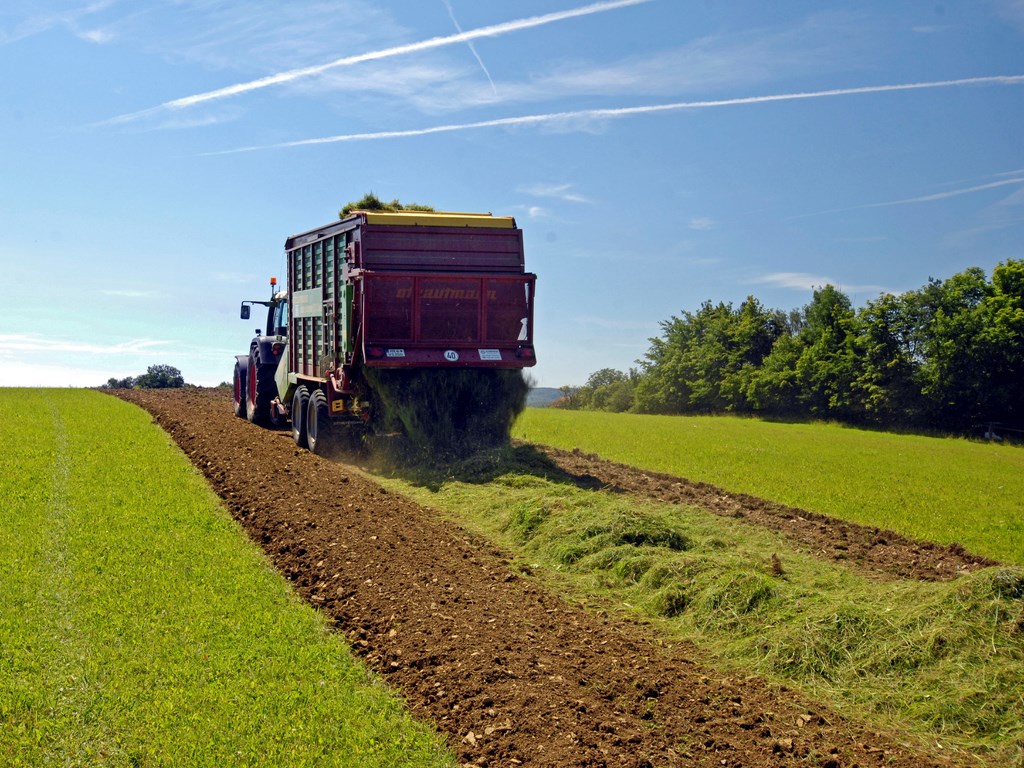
379	298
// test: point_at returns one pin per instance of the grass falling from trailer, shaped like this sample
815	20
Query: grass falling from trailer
447	414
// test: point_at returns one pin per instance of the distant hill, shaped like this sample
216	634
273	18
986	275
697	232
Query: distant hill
542	397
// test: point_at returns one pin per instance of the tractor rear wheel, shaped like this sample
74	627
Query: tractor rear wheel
239	385
300	401
259	390
318	424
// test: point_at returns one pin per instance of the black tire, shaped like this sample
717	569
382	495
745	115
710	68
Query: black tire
259	391
318	424
300	401
238	386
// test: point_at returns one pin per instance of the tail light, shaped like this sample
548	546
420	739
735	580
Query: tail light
525	353
375	352
277	349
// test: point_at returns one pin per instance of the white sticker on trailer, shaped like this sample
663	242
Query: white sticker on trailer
396	353
308	303
490	354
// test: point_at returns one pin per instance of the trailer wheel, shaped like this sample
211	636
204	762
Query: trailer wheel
300	400
259	390
318	424
239	391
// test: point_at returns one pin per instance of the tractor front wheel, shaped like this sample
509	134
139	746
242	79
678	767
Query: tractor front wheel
239	386
259	390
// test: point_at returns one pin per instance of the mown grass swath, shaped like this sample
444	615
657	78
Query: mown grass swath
944	490
941	662
138	626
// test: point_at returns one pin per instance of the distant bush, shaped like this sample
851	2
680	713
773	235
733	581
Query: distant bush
155	377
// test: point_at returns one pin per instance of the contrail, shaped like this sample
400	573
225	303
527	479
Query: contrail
494	30
606	114
951	193
472	48
922	199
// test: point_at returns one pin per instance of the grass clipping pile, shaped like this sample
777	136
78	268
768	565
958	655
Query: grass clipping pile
448	414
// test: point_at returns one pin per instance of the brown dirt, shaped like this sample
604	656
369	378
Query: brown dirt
510	673
875	552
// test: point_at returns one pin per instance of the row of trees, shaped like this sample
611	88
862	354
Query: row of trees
155	377
947	356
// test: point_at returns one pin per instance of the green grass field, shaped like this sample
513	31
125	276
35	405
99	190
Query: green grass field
138	625
943	490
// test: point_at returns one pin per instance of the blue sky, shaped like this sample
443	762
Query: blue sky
155	155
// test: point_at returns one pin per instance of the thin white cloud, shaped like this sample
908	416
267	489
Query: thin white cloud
557	191
800	280
702	223
252	35
280	78
235	278
98	36
33	374
804	281
40	23
1004	214
130	294
581	119
179	121
697	67
33	343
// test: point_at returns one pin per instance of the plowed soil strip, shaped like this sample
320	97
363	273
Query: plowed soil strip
511	673
875	552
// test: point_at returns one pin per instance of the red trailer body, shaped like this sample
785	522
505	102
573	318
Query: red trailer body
409	290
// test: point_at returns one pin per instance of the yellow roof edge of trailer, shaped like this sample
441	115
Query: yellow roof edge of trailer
437	219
